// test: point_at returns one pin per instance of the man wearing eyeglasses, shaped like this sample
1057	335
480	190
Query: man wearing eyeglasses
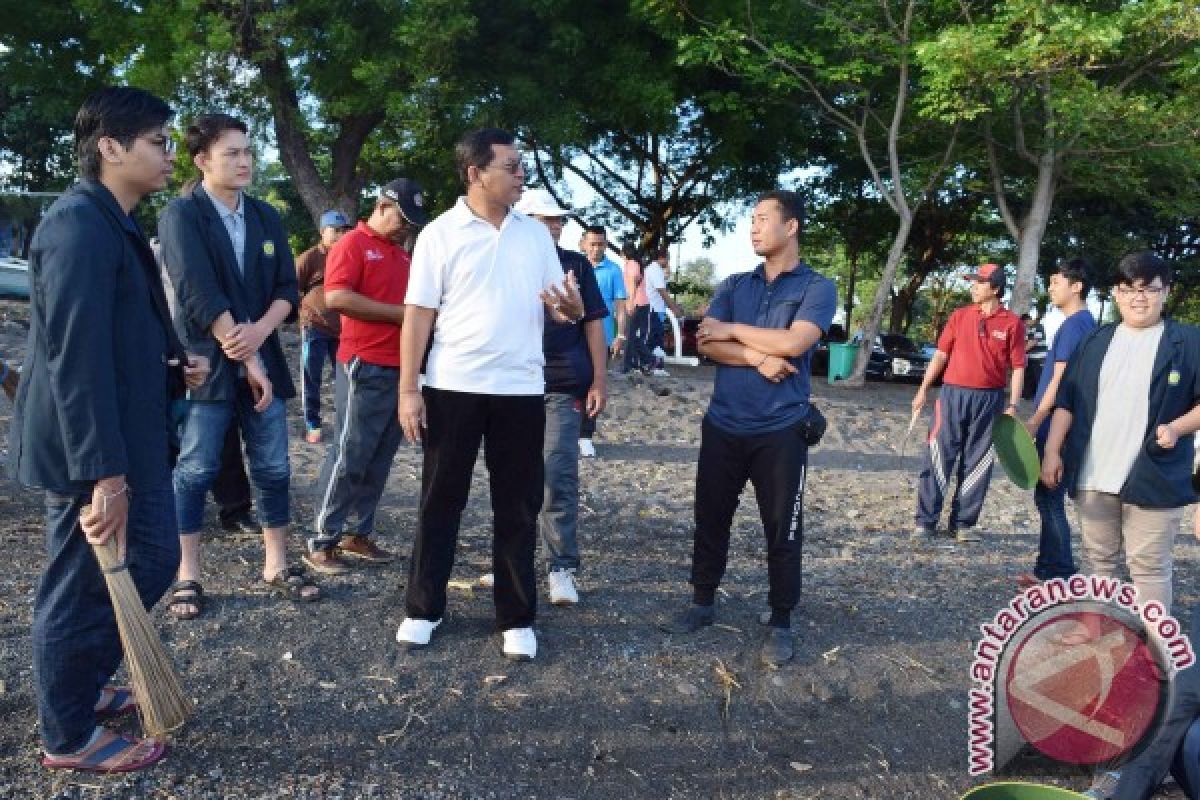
481	275
365	282
981	350
320	327
1120	438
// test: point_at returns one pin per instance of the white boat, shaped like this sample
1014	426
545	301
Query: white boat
14	277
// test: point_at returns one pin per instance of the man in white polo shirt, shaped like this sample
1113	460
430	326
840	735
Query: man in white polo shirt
481	275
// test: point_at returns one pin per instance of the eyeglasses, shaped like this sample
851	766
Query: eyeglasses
1142	292
164	143
515	167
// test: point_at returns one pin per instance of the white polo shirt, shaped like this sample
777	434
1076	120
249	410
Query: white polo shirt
484	284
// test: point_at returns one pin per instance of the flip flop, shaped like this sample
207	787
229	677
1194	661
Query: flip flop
118	753
115	701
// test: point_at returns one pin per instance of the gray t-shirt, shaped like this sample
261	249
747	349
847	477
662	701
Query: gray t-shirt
1122	409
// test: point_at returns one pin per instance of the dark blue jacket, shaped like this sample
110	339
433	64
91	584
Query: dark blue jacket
94	396
1141	777
199	257
1159	478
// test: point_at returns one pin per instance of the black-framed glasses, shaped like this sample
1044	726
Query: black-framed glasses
1141	291
164	143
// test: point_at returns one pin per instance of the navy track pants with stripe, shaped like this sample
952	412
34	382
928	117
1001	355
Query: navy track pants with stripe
961	433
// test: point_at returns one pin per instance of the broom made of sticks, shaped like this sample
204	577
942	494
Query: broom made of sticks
162	704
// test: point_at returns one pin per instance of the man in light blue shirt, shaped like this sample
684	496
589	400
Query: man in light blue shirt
594	245
611	280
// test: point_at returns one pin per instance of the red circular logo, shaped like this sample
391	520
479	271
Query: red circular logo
1083	688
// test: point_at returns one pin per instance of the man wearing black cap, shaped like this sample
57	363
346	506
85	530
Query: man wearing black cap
319	326
366	276
978	348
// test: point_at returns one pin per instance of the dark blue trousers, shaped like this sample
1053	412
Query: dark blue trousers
316	349
76	647
962	434
637	342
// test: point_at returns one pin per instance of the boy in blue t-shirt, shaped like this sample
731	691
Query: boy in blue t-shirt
1068	288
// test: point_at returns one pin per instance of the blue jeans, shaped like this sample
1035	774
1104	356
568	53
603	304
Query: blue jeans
1054	547
560	502
1186	765
316	349
266	440
76	647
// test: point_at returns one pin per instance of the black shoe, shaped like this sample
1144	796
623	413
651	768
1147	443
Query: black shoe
690	620
777	647
241	522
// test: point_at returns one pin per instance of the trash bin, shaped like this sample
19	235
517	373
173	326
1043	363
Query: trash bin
841	360
1019	791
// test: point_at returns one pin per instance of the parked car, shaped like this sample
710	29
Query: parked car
895	357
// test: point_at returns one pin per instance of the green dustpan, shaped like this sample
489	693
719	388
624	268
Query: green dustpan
1016	451
1019	791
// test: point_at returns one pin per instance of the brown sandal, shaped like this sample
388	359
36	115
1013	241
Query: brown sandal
291	582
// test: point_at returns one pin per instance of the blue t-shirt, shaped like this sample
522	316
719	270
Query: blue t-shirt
743	401
568	362
1074	330
611	281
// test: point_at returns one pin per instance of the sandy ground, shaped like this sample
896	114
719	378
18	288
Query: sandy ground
317	701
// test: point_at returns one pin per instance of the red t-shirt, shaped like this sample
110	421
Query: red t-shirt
982	348
377	268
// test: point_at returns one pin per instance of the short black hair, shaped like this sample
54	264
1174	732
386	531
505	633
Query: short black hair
596	229
1143	266
122	113
207	128
474	149
791	204
1077	270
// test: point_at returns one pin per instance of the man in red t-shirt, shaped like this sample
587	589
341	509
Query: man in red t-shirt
982	349
366	276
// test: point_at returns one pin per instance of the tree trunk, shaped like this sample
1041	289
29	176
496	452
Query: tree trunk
1033	229
294	150
895	255
850	288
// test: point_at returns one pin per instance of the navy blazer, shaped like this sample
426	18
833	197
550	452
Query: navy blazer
199	257
1159	478
94	396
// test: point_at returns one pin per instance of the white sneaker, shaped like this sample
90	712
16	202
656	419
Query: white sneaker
415	633
586	448
1104	785
660	373
659	354
487	580
520	644
562	587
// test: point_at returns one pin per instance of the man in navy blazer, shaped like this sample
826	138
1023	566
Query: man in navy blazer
235	283
92	423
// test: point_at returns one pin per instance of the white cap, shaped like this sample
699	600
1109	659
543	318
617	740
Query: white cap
539	202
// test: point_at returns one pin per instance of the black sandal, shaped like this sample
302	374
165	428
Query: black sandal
186	593
291	582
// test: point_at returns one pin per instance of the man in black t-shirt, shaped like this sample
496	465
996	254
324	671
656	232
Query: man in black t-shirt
576	357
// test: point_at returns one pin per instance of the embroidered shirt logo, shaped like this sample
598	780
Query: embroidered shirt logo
268	248
373	255
1173	377
1001	335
